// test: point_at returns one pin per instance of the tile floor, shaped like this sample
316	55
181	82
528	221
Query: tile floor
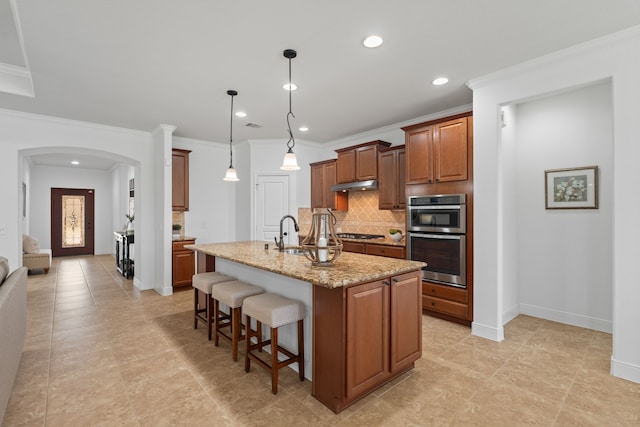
100	353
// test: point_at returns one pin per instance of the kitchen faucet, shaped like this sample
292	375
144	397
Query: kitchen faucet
281	242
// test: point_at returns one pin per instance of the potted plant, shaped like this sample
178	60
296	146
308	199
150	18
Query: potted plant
176	230
395	234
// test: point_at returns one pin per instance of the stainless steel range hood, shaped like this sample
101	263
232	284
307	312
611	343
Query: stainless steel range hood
372	184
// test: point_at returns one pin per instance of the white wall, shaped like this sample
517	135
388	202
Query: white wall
211	215
44	178
574	247
27	134
602	59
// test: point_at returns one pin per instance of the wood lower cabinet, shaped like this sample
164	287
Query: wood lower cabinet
180	179
391	177
369	334
323	176
374	249
183	263
446	301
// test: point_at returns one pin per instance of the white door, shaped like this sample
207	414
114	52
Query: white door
272	203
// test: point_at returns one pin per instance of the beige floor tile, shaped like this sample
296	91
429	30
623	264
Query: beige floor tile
101	352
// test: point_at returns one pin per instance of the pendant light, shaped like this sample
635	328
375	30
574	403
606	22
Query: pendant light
231	174
290	162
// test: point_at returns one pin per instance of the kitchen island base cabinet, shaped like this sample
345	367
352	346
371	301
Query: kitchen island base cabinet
364	336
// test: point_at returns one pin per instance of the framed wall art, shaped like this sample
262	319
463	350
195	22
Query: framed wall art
574	188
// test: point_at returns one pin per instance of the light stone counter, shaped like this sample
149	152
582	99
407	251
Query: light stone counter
349	269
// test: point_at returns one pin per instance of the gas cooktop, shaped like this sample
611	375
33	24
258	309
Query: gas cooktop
359	236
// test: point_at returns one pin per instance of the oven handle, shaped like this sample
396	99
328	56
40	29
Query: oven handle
420	207
437	236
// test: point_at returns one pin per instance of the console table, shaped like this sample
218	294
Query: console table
124	263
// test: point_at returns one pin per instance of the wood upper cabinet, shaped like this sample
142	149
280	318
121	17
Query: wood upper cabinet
359	163
391	177
180	179
323	176
437	152
183	263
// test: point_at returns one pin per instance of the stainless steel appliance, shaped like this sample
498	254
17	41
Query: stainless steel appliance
441	213
436	228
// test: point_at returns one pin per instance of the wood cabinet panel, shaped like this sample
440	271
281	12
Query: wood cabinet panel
323	177
446	292
444	306
364	336
353	247
419	149
391	177
346	167
406	321
183	263
450	150
385	250
367	163
367	336
180	180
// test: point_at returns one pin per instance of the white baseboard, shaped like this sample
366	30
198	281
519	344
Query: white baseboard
567	318
509	315
624	370
488	332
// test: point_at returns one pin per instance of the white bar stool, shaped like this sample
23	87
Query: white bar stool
232	294
275	311
203	282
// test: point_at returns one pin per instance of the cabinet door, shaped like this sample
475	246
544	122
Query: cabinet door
406	320
367	337
367	163
336	201
317	186
402	178
450	150
346	167
419	150
388	180
180	180
183	268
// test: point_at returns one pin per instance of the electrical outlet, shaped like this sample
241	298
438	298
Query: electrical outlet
3	230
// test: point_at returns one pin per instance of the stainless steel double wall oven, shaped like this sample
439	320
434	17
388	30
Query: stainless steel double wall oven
436	228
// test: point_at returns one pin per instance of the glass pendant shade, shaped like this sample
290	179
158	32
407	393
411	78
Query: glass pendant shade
231	175
290	162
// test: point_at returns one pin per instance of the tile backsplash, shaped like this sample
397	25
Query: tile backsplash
178	218
363	216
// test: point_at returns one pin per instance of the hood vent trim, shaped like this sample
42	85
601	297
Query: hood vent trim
372	184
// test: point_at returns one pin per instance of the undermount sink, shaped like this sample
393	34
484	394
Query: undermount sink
294	251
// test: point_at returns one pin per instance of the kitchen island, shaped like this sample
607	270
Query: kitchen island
363	316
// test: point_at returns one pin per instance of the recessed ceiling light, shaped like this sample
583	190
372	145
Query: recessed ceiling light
241	114
303	129
75	162
440	81
293	86
372	41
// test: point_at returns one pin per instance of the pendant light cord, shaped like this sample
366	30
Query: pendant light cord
292	141
231	135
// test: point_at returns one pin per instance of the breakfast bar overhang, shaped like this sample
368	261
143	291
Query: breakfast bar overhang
363	316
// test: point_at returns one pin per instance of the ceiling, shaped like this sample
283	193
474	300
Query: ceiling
142	63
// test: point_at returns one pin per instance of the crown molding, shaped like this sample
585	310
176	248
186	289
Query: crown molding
560	55
16	80
70	122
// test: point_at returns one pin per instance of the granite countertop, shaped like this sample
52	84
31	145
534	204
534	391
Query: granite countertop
349	269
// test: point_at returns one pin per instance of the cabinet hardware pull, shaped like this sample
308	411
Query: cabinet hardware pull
395	280
386	283
433	303
433	290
